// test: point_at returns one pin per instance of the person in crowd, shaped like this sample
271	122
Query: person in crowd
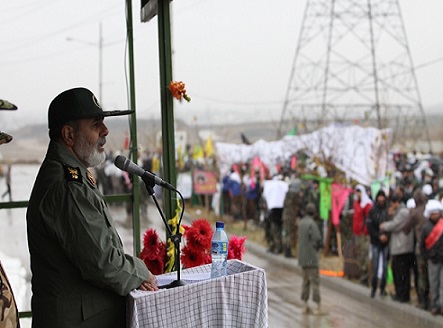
113	177
362	205
401	247
313	196
309	244
379	242
235	191
428	176
401	193
291	215
431	245
407	184
274	192
415	222
9	315
8	191
428	191
252	185
80	272
226	197
411	179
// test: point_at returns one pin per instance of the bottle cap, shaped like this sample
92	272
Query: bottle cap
219	224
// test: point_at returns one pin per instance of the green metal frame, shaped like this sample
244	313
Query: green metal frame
167	105
134	143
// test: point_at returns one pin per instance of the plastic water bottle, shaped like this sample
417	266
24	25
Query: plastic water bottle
219	251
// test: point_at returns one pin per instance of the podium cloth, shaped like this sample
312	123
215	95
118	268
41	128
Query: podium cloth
239	299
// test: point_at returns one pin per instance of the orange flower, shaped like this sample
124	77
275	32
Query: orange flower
178	90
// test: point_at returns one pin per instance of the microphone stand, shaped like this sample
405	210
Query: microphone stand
175	238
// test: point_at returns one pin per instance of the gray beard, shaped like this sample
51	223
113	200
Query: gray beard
88	153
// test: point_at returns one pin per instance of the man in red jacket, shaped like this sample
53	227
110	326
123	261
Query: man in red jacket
362	206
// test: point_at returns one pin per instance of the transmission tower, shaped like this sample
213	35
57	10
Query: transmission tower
353	63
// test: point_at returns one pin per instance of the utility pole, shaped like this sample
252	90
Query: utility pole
100	64
99	45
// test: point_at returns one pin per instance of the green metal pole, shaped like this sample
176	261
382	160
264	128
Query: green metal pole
167	107
133	150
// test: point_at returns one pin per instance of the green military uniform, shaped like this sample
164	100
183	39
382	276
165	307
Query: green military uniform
80	273
291	213
313	196
309	243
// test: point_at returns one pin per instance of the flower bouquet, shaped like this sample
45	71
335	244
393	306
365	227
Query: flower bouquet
197	249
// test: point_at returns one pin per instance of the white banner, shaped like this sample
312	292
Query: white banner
362	153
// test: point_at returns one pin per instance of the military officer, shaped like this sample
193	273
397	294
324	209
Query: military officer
80	273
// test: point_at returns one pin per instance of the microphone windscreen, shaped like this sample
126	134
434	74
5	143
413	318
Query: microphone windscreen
127	165
120	162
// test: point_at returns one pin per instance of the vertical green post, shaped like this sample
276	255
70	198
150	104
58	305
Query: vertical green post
133	150
167	107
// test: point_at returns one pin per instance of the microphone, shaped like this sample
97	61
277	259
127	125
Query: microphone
128	166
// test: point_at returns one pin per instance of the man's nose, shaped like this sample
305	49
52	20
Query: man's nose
105	130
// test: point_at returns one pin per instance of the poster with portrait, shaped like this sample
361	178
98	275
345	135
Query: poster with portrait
205	182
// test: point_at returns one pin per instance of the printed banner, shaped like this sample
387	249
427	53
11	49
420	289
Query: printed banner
205	182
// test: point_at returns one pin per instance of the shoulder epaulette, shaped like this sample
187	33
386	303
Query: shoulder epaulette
72	173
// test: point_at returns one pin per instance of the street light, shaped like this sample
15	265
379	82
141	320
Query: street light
100	59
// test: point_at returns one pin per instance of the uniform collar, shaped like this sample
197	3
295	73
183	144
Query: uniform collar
61	154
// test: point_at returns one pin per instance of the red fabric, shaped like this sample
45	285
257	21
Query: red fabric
435	234
339	196
359	226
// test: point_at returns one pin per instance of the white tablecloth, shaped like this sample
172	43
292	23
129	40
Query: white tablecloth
239	299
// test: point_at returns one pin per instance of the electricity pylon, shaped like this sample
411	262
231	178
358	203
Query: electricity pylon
353	64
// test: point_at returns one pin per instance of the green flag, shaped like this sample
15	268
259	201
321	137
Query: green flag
325	199
293	132
325	194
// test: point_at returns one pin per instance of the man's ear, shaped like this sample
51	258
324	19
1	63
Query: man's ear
68	135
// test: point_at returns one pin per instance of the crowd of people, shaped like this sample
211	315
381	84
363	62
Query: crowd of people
402	226
272	201
397	230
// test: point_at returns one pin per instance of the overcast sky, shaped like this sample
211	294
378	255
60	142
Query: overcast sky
234	55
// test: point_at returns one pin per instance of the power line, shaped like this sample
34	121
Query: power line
51	55
238	103
25	10
92	19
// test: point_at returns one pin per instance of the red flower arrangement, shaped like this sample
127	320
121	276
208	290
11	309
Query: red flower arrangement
236	247
198	244
153	252
197	251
